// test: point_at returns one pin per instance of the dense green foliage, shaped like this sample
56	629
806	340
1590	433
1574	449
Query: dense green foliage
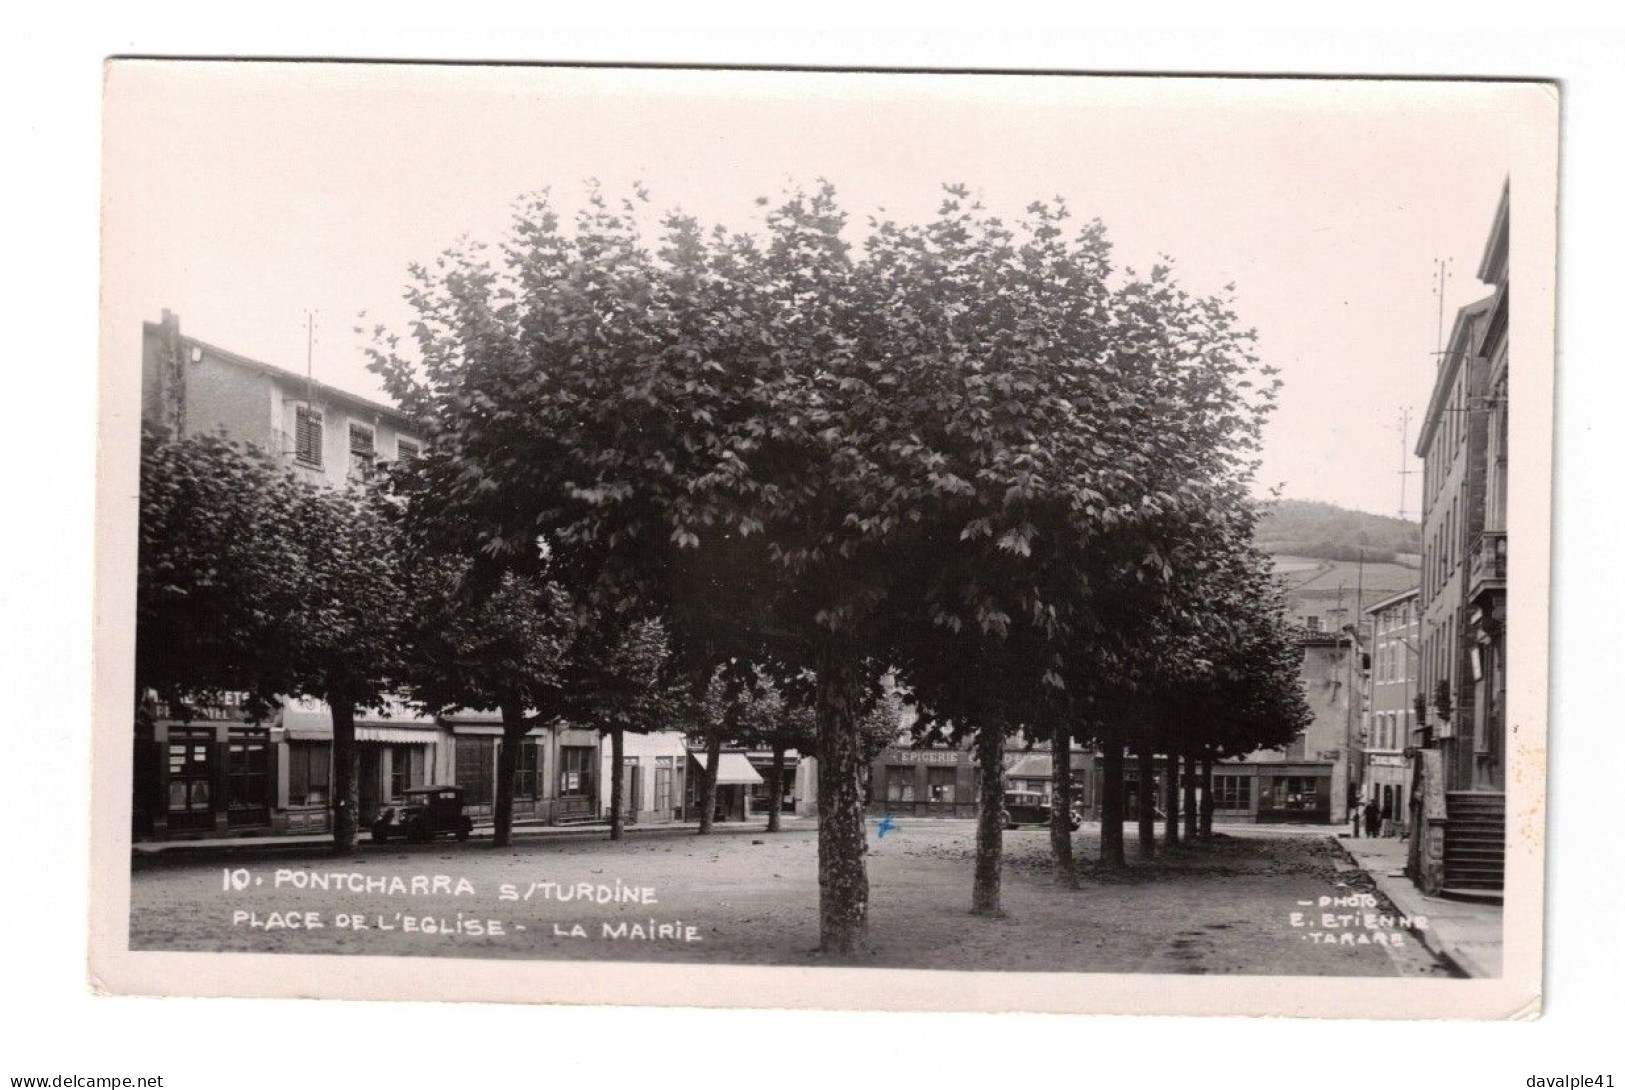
1324	531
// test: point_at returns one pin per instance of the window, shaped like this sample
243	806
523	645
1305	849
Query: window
309	773
663	783
248	779
363	456
1312	623
190	772
899	783
575	771
1297	793
527	778
406	769
406	450
475	757
307	435
939	784
1232	792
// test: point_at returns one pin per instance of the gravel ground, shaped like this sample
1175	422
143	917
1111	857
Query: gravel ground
745	897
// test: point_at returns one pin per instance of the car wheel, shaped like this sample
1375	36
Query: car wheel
379	836
463	831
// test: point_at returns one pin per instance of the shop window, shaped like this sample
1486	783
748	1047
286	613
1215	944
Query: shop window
310	766
248	778
407	769
190	774
475	772
575	771
939	784
1232	792
528	770
900	783
1297	793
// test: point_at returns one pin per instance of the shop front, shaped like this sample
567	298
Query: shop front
760	794
938	782
395	750
735	779
1295	793
653	768
1387	780
209	779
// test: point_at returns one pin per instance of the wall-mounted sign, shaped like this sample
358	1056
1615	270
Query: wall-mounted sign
925	757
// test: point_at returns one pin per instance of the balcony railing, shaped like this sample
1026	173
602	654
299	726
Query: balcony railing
1489	565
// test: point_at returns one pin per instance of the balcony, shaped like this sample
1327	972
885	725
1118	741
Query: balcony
1488	569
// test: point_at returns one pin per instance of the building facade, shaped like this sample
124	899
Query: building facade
216	772
1393	626
1458	806
654	770
323	434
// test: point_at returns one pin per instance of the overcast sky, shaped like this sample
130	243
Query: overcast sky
240	196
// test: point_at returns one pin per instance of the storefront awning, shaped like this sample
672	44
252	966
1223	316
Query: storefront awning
391	735
732	768
395	735
1031	766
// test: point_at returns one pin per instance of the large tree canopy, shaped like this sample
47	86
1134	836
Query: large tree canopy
780	444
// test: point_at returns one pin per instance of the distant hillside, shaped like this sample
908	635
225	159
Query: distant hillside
1324	531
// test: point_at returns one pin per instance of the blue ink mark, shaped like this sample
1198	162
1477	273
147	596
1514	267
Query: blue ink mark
885	825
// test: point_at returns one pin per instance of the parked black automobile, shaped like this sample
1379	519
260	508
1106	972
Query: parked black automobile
422	813
1029	808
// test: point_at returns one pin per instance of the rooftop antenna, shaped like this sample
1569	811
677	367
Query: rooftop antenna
310	370
1405	471
1441	274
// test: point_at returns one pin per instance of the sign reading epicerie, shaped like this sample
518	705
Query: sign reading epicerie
486	914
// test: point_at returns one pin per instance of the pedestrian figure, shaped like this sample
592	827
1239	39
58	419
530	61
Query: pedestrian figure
1373	817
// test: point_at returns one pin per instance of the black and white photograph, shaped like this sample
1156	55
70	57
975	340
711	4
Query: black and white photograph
752	537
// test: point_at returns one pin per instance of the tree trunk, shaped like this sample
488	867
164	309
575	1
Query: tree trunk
1170	827
843	878
1207	796
1147	799
514	729
1060	812
1111	805
617	784
775	788
708	780
346	775
984	899
1190	796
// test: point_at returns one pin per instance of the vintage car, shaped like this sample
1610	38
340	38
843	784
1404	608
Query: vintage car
1028	808
421	813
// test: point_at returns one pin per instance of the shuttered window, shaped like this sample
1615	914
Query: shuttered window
307	435
406	450
362	454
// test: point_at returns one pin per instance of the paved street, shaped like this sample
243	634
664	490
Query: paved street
745	897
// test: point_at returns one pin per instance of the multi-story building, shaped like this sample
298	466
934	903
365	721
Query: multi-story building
1393	626
322	433
1459	812
218	773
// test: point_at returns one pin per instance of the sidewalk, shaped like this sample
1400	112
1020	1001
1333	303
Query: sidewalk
1466	934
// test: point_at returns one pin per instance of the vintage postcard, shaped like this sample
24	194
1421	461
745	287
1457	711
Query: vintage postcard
885	540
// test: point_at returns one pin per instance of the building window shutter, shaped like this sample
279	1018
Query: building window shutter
362	458
307	435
